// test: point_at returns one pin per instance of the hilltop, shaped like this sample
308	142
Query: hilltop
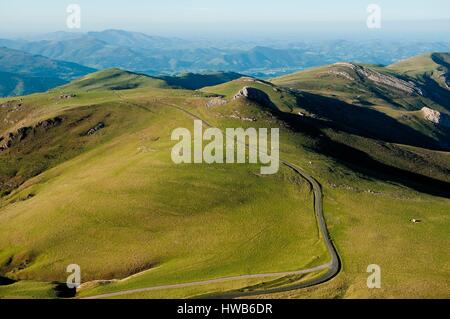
376	101
86	171
113	79
432	65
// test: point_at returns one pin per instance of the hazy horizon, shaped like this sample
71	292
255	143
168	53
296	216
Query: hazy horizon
233	19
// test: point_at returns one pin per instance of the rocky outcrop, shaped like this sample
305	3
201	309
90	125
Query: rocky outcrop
50	122
237	115
446	81
20	134
255	95
436	117
67	96
378	78
341	74
96	128
14	104
216	101
14	137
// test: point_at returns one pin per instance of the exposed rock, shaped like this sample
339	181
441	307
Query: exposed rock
238	116
254	95
337	73
12	106
436	117
96	128
50	122
7	104
216	101
377	77
373	192
15	137
12	138
67	96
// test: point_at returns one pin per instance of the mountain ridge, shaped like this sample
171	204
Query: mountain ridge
23	73
140	52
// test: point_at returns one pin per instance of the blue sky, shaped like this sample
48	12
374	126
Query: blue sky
197	16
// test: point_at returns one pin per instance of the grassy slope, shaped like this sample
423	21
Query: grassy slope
122	194
432	71
357	91
413	262
28	290
102	197
114	79
117	79
366	107
431	64
427	162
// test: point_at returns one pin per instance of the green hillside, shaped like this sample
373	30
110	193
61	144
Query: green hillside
132	192
432	71
117	80
114	79
87	178
435	65
373	101
294	108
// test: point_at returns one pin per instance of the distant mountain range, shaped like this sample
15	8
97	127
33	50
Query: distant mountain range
22	73
36	65
153	55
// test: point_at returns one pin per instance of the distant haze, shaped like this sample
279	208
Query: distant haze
413	19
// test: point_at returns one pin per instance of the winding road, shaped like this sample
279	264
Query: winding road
333	266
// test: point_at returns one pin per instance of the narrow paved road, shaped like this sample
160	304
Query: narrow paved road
333	266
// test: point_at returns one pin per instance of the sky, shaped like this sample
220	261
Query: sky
202	17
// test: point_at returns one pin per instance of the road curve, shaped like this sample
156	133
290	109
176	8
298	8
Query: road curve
333	266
